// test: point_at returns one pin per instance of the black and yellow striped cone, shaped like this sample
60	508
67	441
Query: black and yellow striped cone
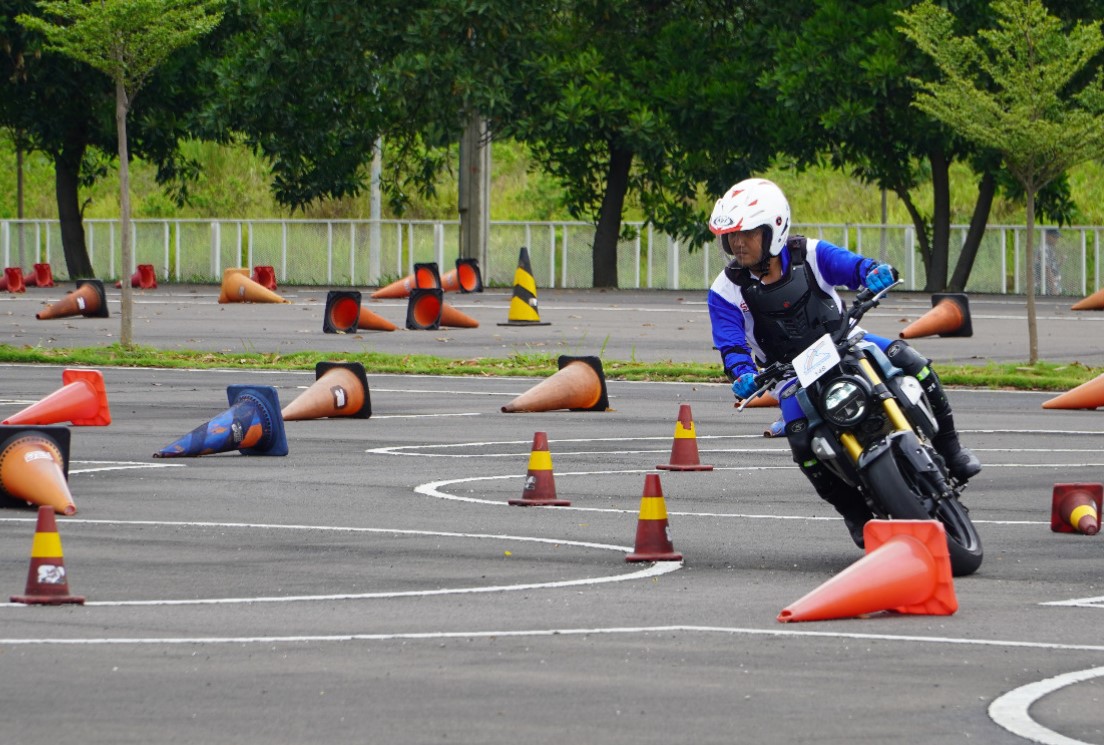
523	305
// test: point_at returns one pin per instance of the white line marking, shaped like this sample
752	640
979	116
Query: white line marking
1097	602
1011	710
422	416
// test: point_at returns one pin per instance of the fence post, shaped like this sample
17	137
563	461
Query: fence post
672	264
5	238
329	252
563	278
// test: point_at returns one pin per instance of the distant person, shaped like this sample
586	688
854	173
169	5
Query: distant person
776	297
1048	264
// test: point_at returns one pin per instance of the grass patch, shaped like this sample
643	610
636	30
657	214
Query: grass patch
1043	376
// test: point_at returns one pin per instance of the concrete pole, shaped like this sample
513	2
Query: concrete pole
475	192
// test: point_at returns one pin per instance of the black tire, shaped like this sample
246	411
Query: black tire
903	496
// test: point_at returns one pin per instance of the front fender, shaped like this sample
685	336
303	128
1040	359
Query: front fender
908	448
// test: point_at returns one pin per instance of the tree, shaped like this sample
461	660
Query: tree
1016	88
126	40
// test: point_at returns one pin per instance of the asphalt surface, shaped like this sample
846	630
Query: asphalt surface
374	585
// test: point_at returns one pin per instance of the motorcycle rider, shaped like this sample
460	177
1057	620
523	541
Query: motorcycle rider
776	297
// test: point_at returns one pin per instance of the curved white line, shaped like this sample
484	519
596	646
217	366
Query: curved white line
1011	710
657	569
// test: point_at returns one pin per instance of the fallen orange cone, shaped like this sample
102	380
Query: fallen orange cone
82	400
466	277
759	402
1075	508
47	580
653	533
540	484
1094	301
684	450
12	280
237	287
949	316
87	300
424	309
340	389
344	314
906	569
456	318
34	466
579	385
1088	395
425	276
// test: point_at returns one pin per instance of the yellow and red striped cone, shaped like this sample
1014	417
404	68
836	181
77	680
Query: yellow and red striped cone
540	485
1076	508
47	582
684	450
653	534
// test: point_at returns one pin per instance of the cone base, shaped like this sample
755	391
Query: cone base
48	599
653	557
526	323
680	467
539	503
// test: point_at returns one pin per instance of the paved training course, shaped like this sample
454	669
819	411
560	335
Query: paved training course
375	585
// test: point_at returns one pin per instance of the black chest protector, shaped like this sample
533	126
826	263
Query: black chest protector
792	313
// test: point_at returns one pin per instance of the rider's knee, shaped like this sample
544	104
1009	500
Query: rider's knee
800	438
902	355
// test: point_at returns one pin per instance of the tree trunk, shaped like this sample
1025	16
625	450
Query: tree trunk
987	188
941	222
1032	325
126	325
67	187
608	232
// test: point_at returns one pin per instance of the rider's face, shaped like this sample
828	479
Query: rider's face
746	246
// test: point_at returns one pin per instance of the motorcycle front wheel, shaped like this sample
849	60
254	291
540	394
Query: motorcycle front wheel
904	494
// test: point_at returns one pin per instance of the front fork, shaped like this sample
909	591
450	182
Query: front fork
892	410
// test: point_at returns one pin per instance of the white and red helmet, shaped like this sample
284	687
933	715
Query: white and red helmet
750	204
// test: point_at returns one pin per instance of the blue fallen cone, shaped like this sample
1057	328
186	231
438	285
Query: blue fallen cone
252	425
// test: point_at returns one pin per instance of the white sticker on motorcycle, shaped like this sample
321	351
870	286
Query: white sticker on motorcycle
818	359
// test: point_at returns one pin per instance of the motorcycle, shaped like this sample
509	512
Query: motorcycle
872	426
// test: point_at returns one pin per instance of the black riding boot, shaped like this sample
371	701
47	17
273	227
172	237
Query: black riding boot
961	461
846	500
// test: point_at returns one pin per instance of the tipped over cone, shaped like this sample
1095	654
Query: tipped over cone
524	310
1075	508
82	400
540	484
344	314
12	280
653	533
579	385
252	425
237	287
87	300
906	569
340	389
456	318
764	401
1094	301
949	316
34	466
1088	395
47	580
466	277
426	276
424	309
684	450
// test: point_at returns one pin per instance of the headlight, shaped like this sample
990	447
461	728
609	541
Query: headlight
846	402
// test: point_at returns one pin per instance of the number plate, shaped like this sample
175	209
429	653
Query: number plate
818	359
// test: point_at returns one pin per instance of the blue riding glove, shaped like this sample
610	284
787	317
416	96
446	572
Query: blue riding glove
881	277
744	386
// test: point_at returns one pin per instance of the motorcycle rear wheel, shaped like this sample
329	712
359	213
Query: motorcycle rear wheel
903	495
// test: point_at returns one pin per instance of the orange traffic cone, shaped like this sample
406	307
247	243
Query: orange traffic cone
949	316
87	300
265	276
12	280
340	389
456	318
252	425
34	466
237	287
1076	508
82	400
1088	395
47	581
42	276
684	450
424	309
144	277
344	314
906	569
653	534
580	385
523	305
426	276
540	485
466	277
759	402
1094	301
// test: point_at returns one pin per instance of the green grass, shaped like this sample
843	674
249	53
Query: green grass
1043	376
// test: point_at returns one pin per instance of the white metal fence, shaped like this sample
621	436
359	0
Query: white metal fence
367	253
